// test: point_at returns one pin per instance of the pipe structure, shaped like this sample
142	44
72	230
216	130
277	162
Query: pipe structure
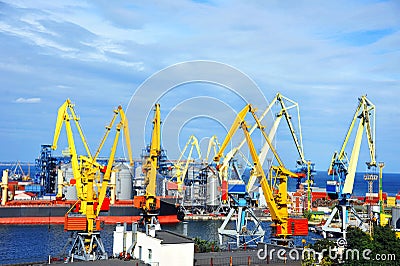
4	186
60	183
381	208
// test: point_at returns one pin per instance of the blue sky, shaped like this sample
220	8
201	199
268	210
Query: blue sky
322	54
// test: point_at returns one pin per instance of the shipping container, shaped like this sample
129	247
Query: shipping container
296	227
391	201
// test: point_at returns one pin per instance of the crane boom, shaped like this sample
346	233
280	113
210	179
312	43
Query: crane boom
149	203
346	172
107	175
276	213
212	144
180	175
267	139
349	182
277	204
284	112
254	127
64	118
124	124
61	117
342	152
155	149
223	169
264	152
125	127
103	140
236	124
369	108
364	123
271	135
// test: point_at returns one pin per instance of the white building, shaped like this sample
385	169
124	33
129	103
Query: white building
24	196
164	248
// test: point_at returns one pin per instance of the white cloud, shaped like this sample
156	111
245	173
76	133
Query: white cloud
28	100
33	36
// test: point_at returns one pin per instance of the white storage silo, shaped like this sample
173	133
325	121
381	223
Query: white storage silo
124	185
212	191
70	193
70	190
396	218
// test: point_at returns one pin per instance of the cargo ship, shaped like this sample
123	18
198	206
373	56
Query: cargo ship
23	202
53	212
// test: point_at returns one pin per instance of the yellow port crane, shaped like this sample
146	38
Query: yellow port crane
213	145
277	202
223	167
82	217
149	203
180	173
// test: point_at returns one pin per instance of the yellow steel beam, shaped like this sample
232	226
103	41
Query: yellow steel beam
236	124
107	174
155	149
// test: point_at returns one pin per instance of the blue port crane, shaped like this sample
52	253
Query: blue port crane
342	170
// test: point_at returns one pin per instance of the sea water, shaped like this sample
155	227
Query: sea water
34	243
390	183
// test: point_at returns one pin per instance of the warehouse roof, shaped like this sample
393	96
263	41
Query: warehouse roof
169	237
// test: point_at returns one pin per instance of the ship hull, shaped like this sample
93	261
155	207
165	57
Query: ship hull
121	212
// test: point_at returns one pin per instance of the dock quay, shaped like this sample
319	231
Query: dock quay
109	262
206	259
238	257
208	217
